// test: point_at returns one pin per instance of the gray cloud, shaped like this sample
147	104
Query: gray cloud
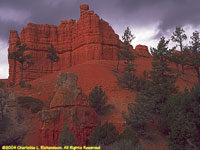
119	13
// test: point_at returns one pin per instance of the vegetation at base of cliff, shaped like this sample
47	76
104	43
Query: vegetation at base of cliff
181	118
98	99
66	137
176	114
3	97
152	98
11	132
23	84
104	135
2	84
108	137
6	139
28	102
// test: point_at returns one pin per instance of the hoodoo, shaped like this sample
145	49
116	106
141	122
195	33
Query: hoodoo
90	38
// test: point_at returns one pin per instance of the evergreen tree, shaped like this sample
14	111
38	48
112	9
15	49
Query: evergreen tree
21	58
2	102
129	134
104	135
176	58
66	137
194	49
179	37
13	55
156	92
98	100
128	79
182	113
52	56
127	53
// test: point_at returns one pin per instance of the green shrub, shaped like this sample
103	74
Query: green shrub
106	134
2	84
129	134
4	124
98	100
66	137
22	84
11	84
35	104
128	80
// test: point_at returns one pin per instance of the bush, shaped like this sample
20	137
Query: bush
2	84
22	84
11	84
4	124
66	138
181	113
106	134
128	80
35	104
98	100
129	134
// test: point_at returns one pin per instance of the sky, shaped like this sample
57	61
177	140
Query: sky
148	20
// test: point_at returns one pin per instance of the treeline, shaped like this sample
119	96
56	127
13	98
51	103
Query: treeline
159	102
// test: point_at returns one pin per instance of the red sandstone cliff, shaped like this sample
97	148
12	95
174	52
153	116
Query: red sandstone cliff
90	38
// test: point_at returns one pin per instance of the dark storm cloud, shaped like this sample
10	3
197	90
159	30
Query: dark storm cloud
182	14
44	12
168	13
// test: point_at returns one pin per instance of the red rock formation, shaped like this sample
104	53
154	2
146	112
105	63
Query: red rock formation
142	50
90	38
69	105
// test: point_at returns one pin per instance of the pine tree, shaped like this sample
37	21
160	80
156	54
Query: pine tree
194	49
52	56
156	92
98	100
176	58
105	134
13	55
181	114
66	137
2	102
127	53
179	37
128	79
22	58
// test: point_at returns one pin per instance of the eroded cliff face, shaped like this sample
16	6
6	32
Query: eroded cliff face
69	105
90	38
142	51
